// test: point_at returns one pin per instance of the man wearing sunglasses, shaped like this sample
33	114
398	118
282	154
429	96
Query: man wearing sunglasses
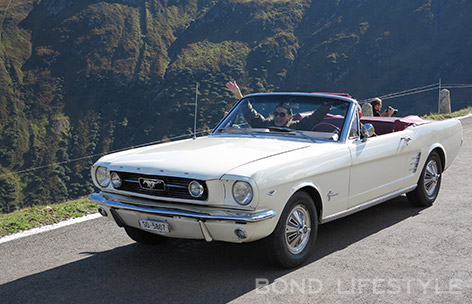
282	115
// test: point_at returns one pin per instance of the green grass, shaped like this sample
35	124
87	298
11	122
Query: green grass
460	113
38	216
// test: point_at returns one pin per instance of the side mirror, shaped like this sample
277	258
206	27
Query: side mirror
367	131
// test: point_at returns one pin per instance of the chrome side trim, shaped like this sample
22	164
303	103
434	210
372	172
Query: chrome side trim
366	205
217	214
415	163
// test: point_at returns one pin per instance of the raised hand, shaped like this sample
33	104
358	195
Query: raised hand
232	86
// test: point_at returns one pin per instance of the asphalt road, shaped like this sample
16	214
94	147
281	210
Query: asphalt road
391	253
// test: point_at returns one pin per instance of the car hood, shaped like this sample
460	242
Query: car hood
203	158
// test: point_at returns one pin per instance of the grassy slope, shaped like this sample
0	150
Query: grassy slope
460	113
38	216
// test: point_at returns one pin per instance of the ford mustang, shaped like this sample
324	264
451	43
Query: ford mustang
275	167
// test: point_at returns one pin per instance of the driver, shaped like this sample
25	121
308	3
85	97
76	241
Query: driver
282	115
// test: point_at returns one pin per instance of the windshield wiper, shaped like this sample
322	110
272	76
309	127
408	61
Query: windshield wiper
236	130
288	130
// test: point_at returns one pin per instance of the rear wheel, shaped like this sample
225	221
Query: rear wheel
294	237
144	237
429	183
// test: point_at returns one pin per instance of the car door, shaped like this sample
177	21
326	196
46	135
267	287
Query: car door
379	166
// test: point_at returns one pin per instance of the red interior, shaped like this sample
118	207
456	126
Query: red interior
382	125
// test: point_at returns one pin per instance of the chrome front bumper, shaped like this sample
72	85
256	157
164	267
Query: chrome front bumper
188	221
209	214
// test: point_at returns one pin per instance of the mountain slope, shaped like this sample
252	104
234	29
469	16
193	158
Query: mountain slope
83	77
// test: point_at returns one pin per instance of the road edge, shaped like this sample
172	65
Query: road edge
42	229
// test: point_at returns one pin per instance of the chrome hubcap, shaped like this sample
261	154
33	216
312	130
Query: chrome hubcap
297	229
431	178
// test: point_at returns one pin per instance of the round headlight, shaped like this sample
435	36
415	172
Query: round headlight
195	189
103	176
115	180
242	192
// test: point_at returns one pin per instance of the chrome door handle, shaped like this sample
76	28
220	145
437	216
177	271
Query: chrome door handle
406	139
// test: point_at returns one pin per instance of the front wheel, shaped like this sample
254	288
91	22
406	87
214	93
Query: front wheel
294	237
429	183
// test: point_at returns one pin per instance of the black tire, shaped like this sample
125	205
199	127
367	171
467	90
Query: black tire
429	183
290	249
144	237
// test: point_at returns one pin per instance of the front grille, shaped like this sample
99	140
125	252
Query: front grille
174	187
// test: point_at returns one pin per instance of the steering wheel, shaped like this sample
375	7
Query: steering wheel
319	127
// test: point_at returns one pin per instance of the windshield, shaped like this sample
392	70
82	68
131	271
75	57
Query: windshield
309	117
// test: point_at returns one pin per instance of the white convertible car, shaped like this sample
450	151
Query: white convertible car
275	167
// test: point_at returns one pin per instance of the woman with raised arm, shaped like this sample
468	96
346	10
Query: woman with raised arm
282	116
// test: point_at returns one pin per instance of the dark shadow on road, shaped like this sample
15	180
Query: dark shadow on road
186	271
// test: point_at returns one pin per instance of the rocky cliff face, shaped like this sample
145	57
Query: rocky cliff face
84	77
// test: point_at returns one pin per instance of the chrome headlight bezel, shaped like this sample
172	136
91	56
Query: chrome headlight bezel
242	193
196	189
102	176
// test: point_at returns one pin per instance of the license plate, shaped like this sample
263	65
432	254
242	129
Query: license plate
156	226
